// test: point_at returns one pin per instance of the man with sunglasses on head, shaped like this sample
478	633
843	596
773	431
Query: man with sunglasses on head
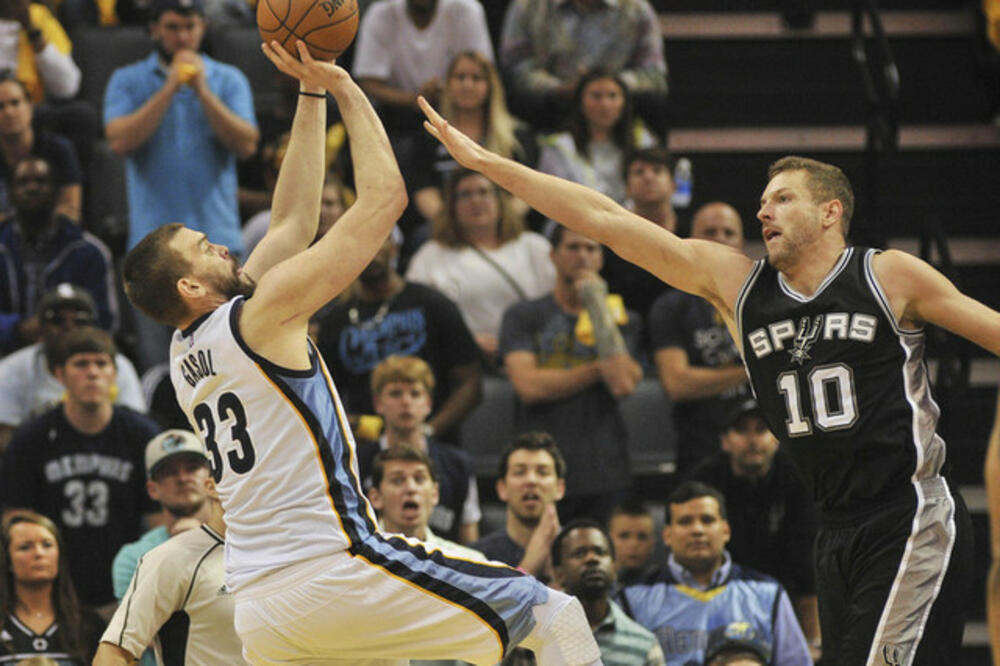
27	385
41	248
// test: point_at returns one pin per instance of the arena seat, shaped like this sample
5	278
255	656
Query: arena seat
100	51
647	412
240	46
490	426
108	210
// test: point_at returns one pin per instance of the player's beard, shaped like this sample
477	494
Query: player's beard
236	284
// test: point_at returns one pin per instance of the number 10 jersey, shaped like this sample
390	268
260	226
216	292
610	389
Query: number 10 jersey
281	452
841	385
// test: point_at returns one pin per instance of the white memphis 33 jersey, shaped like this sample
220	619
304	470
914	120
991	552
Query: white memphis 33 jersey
282	455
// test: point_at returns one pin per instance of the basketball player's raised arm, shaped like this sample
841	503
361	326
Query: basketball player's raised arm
703	268
294	208
991	474
290	292
919	294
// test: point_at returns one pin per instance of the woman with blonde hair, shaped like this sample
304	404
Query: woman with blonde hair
473	100
42	616
482	258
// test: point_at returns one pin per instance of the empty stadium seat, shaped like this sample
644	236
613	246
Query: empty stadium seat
100	51
648	415
241	47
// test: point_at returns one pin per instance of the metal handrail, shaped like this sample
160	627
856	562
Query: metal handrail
954	363
881	81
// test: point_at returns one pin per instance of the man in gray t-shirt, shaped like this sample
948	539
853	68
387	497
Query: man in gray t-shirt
696	359
28	387
570	357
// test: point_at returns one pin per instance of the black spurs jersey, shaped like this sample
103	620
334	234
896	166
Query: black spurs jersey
841	385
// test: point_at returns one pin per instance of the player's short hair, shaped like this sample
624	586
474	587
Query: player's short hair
651	155
690	490
82	340
633	506
534	440
401	454
150	272
825	182
405	369
578	524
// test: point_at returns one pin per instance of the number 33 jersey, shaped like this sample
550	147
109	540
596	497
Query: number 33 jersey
841	385
281	452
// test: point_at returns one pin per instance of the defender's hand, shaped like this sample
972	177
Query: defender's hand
466	152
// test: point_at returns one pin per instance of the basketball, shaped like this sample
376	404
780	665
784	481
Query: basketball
327	27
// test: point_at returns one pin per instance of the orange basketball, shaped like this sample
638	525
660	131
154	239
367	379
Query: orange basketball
327	27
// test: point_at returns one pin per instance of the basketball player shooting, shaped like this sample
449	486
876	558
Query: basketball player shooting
313	579
832	338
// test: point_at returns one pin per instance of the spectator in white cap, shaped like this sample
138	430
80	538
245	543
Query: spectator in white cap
177	600
176	468
27	385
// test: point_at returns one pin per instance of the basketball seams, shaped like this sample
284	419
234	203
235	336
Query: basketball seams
325	26
291	31
282	22
332	25
340	29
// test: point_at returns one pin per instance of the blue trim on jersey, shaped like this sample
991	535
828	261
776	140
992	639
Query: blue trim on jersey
313	399
500	595
468	567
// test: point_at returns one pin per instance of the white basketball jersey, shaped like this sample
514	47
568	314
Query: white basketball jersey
281	452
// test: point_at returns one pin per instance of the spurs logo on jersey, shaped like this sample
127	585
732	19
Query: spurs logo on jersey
839	382
854	326
805	338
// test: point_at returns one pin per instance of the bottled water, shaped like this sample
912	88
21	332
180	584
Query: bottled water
683	183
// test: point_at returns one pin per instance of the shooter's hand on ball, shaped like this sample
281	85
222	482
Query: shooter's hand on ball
311	72
466	152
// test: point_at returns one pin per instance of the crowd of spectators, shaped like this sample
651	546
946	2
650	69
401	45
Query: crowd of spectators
471	284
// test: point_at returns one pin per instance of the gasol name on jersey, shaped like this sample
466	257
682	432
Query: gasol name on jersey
197	366
799	336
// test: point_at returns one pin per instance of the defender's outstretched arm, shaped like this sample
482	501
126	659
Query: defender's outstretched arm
707	269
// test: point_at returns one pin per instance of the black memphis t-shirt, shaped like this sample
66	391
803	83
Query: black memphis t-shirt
92	486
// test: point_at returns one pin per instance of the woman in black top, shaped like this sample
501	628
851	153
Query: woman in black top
42	616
